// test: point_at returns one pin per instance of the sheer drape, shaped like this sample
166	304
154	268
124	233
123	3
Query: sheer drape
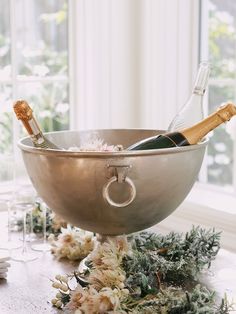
135	61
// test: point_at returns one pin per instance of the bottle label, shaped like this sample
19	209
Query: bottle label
34	127
178	138
40	140
198	90
36	140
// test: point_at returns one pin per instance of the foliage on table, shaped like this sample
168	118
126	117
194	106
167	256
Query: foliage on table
53	222
146	273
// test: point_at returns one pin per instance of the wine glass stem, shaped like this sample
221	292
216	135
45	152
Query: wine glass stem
8	221
31	222
24	231
44	224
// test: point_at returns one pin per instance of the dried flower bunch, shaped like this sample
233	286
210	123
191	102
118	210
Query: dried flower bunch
72	243
93	142
149	273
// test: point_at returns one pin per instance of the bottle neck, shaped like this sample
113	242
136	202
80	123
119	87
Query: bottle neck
202	79
32	127
196	97
197	132
34	131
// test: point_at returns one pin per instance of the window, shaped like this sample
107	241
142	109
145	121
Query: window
109	68
33	66
218	39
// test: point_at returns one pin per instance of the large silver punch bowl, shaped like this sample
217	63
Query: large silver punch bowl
112	193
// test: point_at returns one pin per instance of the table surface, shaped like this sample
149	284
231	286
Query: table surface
28	288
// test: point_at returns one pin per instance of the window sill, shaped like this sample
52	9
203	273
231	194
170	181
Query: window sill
205	208
213	197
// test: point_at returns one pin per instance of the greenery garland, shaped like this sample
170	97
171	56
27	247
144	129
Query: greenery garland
149	273
53	222
144	273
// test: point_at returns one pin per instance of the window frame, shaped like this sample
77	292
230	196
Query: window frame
203	193
16	79
72	62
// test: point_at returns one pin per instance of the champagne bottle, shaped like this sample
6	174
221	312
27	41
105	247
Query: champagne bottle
25	114
192	110
188	136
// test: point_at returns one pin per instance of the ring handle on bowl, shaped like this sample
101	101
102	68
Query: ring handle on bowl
120	178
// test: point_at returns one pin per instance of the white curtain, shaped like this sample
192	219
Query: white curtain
135	61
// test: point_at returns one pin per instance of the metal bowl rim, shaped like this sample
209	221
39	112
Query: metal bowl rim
89	154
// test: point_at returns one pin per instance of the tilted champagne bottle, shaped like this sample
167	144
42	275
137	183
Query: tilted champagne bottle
188	136
192	110
25	114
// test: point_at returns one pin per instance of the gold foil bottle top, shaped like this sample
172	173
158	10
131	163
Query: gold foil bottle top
223	114
226	111
23	110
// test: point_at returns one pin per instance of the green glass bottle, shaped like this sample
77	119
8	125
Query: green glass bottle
188	136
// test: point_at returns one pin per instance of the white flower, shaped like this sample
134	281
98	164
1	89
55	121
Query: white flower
113	278
110	253
106	261
93	302
62	108
106	291
40	70
93	143
73	244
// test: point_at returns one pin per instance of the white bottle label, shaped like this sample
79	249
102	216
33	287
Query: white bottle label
34	127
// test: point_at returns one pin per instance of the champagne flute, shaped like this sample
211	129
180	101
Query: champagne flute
6	199
45	246
9	243
30	236
25	202
25	254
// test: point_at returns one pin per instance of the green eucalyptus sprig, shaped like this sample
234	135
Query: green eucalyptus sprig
53	224
176	301
173	258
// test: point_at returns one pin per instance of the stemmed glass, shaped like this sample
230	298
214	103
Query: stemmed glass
30	236
43	247
8	244
6	198
25	202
